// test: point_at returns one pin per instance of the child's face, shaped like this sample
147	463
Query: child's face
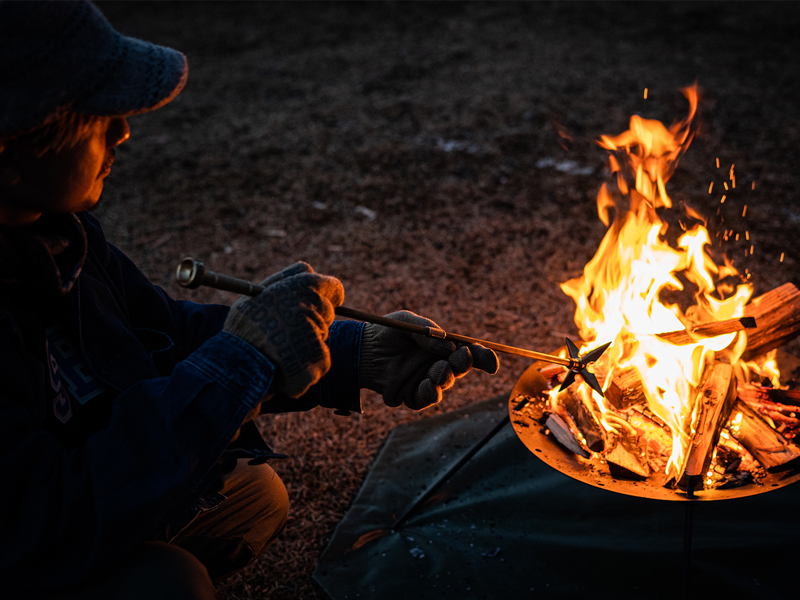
67	181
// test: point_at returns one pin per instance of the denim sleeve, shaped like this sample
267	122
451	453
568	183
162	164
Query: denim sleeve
339	388
188	324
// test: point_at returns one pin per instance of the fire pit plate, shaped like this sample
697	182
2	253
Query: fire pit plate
530	431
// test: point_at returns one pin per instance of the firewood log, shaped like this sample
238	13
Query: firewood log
714	400
593	432
564	435
777	315
768	446
626	464
759	393
712	329
625	389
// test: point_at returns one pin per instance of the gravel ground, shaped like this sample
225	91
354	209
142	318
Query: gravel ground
417	152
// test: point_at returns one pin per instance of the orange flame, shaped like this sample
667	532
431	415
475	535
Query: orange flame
618	296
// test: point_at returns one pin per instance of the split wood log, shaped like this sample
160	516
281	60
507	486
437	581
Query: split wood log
759	393
658	436
707	330
625	389
561	431
777	315
623	463
585	420
713	405
768	446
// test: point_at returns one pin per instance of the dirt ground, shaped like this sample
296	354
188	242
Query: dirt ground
412	151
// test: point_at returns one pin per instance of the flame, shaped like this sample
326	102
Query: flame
618	295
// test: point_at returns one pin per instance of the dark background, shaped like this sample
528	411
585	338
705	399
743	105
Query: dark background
395	145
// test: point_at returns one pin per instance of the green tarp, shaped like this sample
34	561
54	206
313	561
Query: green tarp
509	526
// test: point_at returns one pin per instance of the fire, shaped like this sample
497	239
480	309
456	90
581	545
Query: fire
618	298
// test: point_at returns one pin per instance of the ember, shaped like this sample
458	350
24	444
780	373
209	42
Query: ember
683	393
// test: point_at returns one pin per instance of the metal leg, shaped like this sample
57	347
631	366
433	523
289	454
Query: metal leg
687	547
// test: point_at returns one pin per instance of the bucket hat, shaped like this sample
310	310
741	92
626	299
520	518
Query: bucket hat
61	55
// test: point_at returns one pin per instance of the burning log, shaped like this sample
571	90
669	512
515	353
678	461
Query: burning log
712	408
585	420
757	393
777	320
657	436
626	389
768	446
777	315
713	329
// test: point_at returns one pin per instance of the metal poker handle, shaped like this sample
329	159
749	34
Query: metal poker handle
192	274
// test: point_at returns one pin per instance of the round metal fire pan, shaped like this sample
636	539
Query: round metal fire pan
530	431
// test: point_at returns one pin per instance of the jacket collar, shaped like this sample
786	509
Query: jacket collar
46	256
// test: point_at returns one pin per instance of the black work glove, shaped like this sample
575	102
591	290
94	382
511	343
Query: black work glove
412	369
288	323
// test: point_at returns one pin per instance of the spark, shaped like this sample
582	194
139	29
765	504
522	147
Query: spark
710	187
751	250
645	93
725	183
747	235
744	212
723	199
737	239
782	253
753	185
718	162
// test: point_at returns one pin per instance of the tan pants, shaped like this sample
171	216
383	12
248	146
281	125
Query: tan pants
215	545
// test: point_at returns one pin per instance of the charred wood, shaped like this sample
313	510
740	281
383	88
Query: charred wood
585	420
561	431
768	446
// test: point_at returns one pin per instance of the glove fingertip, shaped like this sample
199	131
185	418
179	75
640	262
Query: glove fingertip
427	394
461	361
392	400
485	359
290	271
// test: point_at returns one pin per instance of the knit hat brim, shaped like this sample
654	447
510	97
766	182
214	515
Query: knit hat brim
59	56
146	78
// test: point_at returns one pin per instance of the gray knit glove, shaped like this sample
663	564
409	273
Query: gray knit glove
288	323
412	369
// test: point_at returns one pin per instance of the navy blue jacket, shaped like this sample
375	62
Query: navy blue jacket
179	390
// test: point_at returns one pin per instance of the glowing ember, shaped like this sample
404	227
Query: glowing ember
618	297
